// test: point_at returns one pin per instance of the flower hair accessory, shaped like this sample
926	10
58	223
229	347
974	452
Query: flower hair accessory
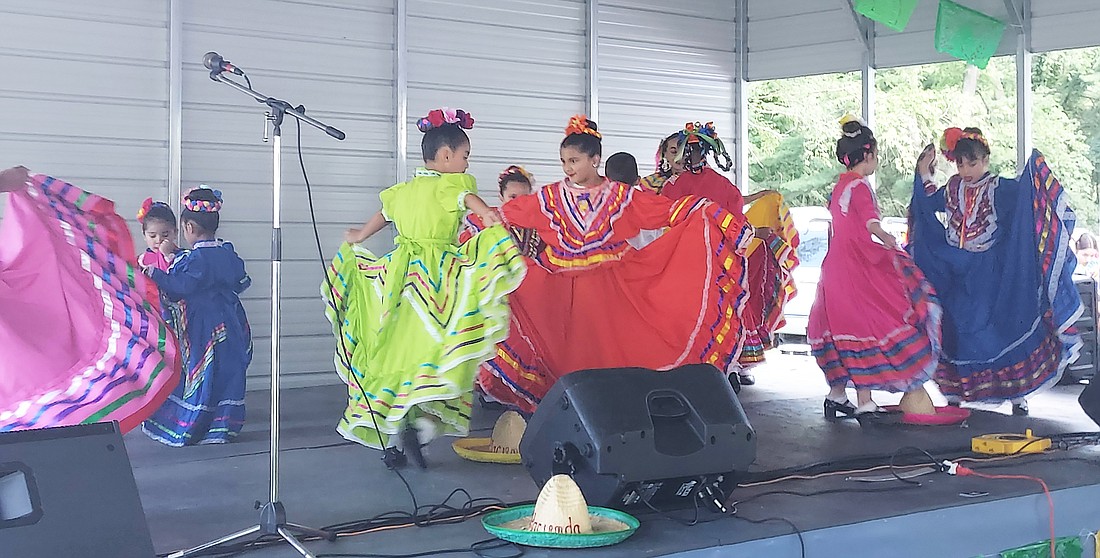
844	120
951	137
203	206
515	169
443	116
704	138
579	124
146	206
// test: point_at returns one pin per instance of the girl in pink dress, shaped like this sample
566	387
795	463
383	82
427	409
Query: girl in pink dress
81	338
876	322
158	228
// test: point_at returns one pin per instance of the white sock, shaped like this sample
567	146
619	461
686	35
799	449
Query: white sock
427	429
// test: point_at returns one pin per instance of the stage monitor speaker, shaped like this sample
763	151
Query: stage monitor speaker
632	436
69	491
1090	400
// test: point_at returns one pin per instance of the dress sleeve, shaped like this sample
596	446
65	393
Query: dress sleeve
387	197
524	211
185	278
860	203
453	189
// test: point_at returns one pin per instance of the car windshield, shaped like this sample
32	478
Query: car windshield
813	243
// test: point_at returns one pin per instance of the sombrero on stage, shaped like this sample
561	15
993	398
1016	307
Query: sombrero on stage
502	447
942	416
561	518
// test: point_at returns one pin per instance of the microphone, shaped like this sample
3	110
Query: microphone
216	64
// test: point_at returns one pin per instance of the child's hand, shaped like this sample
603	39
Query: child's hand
354	236
491	217
763	232
926	163
889	241
168	248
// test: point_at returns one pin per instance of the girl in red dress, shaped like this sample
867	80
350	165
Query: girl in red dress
592	300
771	257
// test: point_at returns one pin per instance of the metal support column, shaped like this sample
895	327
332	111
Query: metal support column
175	103
1021	9
401	87
592	98
741	97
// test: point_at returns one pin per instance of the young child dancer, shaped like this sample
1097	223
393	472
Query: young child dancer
772	256
158	228
413	325
875	323
512	182
1003	270
207	407
592	300
80	330
622	167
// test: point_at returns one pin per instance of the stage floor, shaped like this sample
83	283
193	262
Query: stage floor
195	494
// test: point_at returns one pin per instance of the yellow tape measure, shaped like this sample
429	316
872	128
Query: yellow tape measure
1009	444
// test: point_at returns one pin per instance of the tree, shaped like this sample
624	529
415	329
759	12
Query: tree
794	125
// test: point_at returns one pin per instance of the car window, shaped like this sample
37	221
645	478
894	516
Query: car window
813	244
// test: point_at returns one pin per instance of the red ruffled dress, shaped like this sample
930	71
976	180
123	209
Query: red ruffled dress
770	282
591	300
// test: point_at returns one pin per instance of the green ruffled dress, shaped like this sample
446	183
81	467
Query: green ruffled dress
413	325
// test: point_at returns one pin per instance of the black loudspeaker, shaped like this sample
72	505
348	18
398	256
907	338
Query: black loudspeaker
1090	400
70	491
632	436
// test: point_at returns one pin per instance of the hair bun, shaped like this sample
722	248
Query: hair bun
580	124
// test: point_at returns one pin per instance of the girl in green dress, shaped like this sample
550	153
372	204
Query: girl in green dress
413	325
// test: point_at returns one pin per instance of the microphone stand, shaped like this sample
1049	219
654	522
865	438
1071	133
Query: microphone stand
272	514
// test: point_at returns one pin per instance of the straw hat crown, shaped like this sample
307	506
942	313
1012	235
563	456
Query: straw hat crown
507	433
561	508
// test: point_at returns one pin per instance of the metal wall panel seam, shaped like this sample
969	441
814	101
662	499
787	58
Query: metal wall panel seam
593	33
401	87
175	102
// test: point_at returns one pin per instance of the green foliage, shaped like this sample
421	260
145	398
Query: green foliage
793	124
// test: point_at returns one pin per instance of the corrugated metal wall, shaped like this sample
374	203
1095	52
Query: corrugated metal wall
517	65
657	71
85	93
336	58
87	85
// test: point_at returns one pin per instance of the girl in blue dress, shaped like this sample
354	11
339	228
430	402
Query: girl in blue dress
205	283
1002	267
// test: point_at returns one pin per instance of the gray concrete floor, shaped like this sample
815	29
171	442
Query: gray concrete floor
191	495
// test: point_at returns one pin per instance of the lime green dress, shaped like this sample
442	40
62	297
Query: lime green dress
413	325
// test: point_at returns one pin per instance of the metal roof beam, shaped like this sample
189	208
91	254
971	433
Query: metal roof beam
864	29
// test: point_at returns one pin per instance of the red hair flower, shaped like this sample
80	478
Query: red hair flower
145	207
442	116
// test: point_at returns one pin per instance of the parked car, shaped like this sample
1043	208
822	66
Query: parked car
812	224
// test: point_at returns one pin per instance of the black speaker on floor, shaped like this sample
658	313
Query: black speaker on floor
632	436
1090	400
70	491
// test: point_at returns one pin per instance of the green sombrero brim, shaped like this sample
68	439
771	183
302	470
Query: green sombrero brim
495	523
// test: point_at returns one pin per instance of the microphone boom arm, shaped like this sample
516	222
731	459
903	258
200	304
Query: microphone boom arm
278	106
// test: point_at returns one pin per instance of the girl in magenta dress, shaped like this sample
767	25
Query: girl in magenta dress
81	336
876	322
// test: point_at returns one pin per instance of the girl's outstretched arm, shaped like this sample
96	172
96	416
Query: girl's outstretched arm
488	215
376	223
757	195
